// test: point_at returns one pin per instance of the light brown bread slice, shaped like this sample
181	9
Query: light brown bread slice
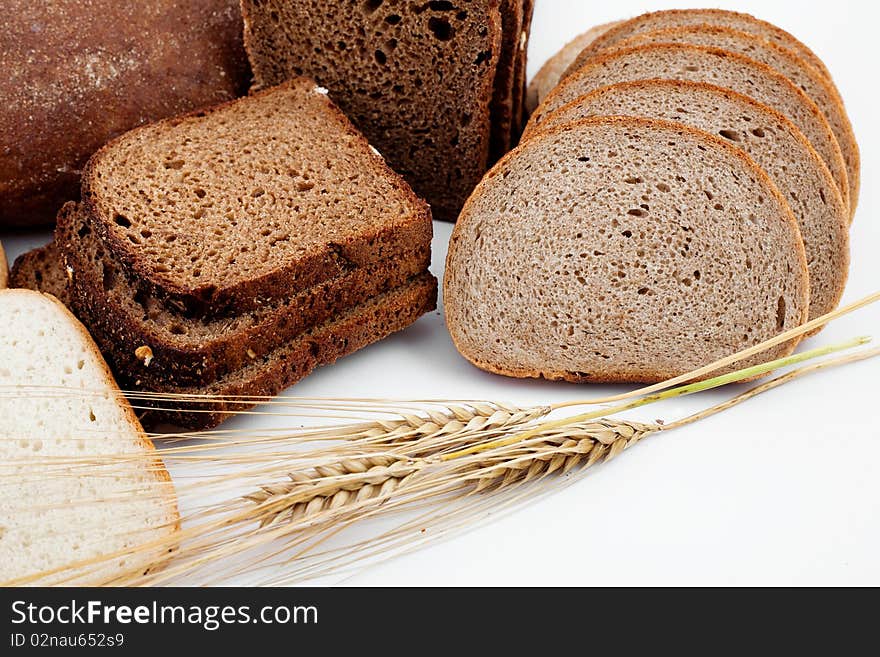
416	77
818	87
771	140
716	66
59	402
250	201
551	72
681	17
4	268
621	249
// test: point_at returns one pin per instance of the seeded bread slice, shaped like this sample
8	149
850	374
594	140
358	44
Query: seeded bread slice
350	331
224	210
42	270
804	75
417	77
551	72
4	269
682	17
160	346
52	519
703	64
770	139
621	249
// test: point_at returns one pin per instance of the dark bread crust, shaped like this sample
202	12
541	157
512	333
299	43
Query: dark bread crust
355	329
212	350
417	77
78	75
244	291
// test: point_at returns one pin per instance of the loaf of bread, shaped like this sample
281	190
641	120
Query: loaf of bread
818	87
622	249
430	84
76	73
771	140
703	64
58	402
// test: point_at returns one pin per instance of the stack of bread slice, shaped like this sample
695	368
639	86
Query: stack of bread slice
438	87
229	252
645	264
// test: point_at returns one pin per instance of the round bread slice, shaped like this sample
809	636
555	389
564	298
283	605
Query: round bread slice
69	512
659	20
770	139
742	74
804	75
548	77
623	249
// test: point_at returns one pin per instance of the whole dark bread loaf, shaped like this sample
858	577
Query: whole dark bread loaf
77	73
418	78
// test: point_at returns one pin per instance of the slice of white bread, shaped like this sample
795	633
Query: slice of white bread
675	61
622	249
58	402
682	17
770	139
550	73
819	88
4	269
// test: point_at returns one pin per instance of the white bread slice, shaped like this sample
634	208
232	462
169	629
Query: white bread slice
771	140
59	402
676	61
622	249
4	269
550	73
818	87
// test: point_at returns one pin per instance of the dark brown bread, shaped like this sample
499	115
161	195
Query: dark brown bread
42	270
417	77
76	73
224	210
502	109
520	114
369	322
191	351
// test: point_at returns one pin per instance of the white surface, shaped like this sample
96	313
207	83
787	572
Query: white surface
782	491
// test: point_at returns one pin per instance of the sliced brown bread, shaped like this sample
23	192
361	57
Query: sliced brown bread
622	249
185	350
771	140
229	208
417	77
42	270
682	17
77	73
551	72
502	108
520	114
4	268
703	64
370	321
818	87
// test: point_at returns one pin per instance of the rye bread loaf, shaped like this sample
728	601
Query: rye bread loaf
550	73
703	64
76	73
819	88
159	346
417	77
659	20
52	518
42	270
621	249
232	207
4	268
357	327
771	140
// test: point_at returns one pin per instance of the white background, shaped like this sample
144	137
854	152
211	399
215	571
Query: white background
782	491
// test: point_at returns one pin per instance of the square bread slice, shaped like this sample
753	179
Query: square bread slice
60	413
418	78
226	209
184	350
623	250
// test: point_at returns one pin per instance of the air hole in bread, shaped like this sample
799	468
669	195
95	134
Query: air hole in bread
393	19
758	132
381	57
780	313
731	135
442	29
637	212
121	220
